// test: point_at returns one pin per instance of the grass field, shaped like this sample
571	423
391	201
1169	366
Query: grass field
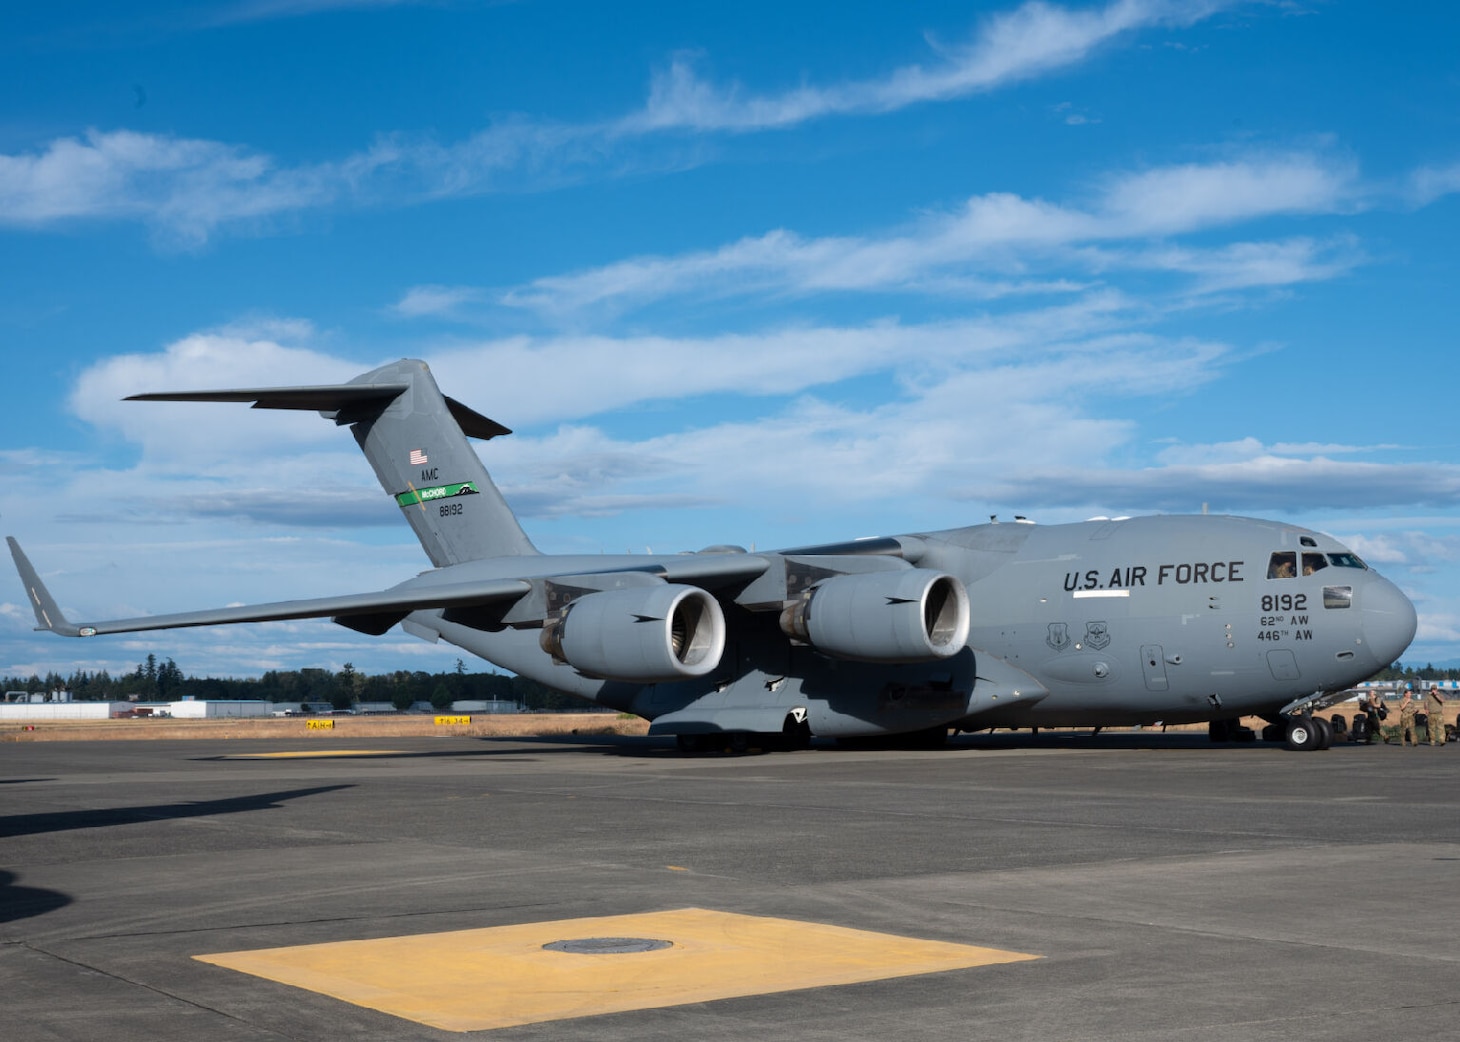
348	727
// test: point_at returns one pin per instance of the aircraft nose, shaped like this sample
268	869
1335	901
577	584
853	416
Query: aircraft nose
1389	620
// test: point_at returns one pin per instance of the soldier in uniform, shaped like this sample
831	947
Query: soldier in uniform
1435	707
1373	706
1408	707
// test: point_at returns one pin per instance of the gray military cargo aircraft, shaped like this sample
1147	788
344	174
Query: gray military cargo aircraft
1120	621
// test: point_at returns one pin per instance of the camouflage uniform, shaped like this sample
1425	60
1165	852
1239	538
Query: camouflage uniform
1407	711
1435	707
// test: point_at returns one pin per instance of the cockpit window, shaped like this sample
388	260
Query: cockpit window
1313	563
1284	565
1347	561
1338	596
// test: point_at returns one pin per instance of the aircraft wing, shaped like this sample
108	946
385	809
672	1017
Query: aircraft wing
370	609
711	571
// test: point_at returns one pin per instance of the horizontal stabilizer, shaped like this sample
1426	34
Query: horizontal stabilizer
322	398
351	401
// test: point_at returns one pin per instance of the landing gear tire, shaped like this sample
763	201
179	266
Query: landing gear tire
1325	732
1303	734
690	743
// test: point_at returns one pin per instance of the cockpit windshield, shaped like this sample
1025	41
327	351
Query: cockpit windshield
1285	564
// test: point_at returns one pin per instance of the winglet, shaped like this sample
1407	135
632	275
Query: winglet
47	613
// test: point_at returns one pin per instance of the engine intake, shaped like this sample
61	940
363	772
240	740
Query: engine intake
644	634
909	615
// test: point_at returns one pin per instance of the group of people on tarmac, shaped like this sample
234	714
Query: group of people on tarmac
1372	706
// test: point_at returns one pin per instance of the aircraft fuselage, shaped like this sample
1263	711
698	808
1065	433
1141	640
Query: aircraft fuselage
1139	620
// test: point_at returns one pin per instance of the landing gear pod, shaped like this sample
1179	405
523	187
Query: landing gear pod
643	635
910	615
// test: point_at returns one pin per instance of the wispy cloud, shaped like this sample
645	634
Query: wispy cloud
989	246
1432	182
1269	483
1034	39
422	301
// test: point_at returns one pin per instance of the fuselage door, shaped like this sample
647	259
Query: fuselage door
1153	665
1282	664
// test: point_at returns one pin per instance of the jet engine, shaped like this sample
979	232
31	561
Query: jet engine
644	634
909	615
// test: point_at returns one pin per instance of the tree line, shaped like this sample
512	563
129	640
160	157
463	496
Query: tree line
164	681
154	681
1426	672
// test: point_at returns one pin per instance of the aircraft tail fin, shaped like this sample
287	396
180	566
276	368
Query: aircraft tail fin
416	440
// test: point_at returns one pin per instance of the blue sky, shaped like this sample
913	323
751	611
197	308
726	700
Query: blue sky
763	273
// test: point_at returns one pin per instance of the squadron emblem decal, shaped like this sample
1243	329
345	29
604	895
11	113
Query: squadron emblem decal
1059	636
1097	635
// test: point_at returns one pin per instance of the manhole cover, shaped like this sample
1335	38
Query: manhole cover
608	945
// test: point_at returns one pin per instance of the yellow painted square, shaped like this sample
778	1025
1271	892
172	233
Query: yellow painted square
475	980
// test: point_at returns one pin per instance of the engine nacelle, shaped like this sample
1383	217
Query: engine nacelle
643	634
909	615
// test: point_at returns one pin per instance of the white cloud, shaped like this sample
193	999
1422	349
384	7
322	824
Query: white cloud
235	357
596	374
1248	449
421	301
1181	198
1033	39
1249	265
1433	182
1266	483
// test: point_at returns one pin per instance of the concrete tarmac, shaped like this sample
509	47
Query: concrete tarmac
1172	889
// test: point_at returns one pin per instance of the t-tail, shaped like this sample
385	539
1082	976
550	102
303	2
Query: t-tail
416	439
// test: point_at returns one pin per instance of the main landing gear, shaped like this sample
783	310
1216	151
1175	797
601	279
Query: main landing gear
1309	732
795	733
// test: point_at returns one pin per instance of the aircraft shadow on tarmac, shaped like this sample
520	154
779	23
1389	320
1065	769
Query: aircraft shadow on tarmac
62	821
23	902
535	747
1072	740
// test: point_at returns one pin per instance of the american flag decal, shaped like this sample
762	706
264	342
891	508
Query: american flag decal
418	457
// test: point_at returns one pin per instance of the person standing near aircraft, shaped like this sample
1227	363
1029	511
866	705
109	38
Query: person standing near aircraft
1375	712
1407	710
1435	707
